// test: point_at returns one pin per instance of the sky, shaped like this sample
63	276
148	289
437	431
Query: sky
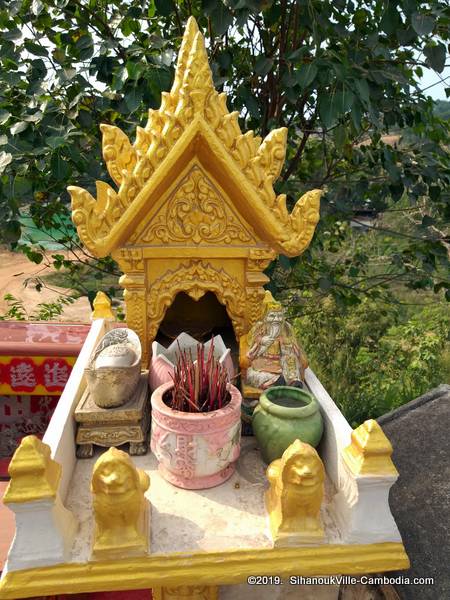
431	77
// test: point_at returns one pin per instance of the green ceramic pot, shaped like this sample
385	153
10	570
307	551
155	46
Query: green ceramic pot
283	415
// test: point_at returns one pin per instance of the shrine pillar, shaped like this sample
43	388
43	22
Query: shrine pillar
45	529
368	473
131	263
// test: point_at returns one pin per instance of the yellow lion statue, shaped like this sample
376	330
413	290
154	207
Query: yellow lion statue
295	495
120	507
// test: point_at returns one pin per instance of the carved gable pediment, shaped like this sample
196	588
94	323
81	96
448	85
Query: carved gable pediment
193	209
195	212
193	121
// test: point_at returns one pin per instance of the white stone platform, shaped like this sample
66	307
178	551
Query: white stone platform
201	537
228	517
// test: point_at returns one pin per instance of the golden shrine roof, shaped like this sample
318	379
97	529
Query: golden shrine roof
192	122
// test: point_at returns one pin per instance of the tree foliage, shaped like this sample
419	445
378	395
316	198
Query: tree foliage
373	358
340	74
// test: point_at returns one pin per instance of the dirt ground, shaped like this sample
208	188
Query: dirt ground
15	269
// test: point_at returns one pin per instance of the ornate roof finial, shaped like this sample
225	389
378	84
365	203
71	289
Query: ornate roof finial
34	474
192	121
370	451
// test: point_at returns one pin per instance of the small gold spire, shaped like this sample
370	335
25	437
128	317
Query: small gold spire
102	307
186	45
370	451
34	475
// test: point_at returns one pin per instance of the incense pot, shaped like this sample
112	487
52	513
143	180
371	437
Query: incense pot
196	450
163	361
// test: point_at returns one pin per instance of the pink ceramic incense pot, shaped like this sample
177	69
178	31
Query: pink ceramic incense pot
163	360
196	450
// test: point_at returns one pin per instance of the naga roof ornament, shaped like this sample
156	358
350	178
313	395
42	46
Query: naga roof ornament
192	121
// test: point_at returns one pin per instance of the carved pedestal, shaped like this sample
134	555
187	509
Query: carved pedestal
114	426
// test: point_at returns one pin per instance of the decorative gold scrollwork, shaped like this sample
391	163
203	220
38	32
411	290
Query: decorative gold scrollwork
196	278
194	106
196	213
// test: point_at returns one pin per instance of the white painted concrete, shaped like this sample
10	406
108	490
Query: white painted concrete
337	431
228	517
45	531
361	506
361	509
60	434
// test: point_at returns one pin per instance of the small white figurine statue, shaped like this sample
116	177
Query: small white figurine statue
274	356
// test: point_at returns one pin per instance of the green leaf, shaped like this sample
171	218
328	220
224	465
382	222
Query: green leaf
35	49
391	20
263	65
36	7
221	18
60	168
423	24
18	127
325	283
34	118
164	7
363	90
340	137
326	109
119	79
59	55
134	69
55	141
293	56
5	160
85	46
343	101
306	74
12	34
333	105
22	187
436	56
4	116
133	98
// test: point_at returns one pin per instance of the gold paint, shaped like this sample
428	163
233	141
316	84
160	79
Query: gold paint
114	426
34	475
192	106
270	303
186	592
196	213
192	187
295	495
203	568
102	307
120	508
196	278
370	451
